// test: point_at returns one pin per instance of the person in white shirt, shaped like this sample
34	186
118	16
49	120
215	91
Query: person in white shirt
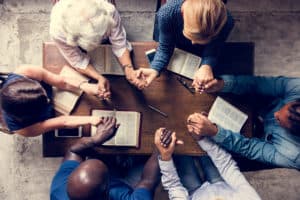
233	187
80	26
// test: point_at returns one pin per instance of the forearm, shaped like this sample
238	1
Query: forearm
268	86
252	148
90	71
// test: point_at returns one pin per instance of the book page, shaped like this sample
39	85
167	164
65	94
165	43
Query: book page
64	101
97	59
177	61
226	115
128	132
191	65
113	66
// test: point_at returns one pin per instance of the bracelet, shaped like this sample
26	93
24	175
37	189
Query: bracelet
82	82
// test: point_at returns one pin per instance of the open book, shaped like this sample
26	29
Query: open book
181	62
64	101
103	59
226	115
129	130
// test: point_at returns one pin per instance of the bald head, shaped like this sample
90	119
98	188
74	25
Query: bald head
88	181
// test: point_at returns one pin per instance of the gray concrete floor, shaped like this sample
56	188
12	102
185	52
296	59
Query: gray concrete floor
273	25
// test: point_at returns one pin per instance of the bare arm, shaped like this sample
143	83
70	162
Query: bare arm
56	123
84	146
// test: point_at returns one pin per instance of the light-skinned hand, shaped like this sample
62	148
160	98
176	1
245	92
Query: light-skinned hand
199	126
147	75
105	130
166	151
103	88
132	77
216	85
203	76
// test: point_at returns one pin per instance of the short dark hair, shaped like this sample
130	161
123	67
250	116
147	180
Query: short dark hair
294	117
23	98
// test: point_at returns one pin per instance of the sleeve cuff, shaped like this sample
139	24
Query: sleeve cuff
119	51
166	165
229	83
211	61
220	136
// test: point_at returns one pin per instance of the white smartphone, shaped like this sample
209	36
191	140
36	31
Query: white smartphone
74	132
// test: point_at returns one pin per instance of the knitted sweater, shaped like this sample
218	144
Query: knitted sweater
170	26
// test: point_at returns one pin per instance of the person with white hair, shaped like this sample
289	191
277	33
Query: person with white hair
80	26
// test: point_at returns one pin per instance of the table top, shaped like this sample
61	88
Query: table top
165	93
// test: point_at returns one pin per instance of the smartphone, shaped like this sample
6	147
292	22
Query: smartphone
74	132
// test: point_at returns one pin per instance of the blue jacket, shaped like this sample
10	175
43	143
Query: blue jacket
278	146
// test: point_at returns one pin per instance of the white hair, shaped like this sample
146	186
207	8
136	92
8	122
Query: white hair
82	22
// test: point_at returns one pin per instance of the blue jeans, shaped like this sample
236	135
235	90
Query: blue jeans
189	175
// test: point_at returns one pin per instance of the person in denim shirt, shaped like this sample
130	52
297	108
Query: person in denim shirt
199	27
280	144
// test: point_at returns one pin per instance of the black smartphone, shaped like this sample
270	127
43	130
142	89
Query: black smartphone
74	132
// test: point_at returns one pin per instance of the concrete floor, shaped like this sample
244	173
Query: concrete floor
273	25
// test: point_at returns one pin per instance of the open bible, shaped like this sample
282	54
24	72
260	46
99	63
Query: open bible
226	115
103	59
64	101
129	130
181	62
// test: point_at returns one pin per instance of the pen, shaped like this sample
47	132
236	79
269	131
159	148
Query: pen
157	110
190	89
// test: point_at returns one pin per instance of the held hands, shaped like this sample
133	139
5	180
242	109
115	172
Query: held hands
199	126
145	76
106	129
165	142
132	77
103	88
202	77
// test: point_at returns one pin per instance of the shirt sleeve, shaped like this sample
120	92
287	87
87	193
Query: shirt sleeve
267	86
228	169
166	42
171	182
58	190
75	57
117	37
212	50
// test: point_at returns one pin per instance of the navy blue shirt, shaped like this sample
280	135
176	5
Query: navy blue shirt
47	112
118	190
170	25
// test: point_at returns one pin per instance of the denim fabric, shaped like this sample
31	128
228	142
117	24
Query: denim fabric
211	173
170	27
277	146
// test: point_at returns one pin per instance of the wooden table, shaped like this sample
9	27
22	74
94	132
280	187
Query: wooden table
165	93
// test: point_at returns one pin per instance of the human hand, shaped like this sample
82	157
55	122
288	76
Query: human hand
203	76
165	142
90	88
147	75
103	88
215	85
132	77
105	130
95	120
199	126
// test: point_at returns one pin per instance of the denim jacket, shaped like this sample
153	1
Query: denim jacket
278	146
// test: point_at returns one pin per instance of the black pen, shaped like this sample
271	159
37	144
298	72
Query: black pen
190	89
157	110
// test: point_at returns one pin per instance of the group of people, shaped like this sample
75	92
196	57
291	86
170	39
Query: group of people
199	27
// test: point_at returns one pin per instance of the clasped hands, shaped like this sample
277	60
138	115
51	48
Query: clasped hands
198	126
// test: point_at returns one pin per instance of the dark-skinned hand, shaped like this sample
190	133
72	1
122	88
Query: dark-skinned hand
105	130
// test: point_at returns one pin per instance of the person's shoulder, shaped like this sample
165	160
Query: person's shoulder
171	8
